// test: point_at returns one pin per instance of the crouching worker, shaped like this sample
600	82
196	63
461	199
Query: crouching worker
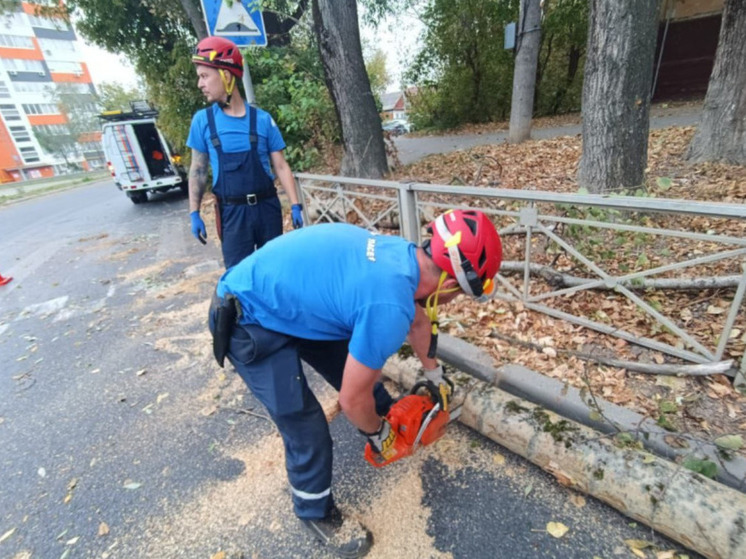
343	300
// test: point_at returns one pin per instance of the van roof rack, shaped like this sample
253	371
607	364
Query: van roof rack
139	109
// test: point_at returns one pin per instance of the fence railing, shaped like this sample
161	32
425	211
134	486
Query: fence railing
561	250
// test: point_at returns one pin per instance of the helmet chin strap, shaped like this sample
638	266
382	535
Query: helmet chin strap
229	83
431	308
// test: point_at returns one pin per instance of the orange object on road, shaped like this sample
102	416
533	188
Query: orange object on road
4	280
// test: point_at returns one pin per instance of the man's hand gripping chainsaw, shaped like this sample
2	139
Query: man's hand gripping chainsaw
417	419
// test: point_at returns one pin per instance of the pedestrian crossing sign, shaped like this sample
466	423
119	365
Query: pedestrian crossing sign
240	21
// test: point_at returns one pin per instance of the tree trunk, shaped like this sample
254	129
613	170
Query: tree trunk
194	13
616	93
338	35
698	512
722	133
524	75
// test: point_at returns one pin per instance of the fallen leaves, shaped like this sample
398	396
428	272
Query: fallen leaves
730	442
70	488
557	529
7	534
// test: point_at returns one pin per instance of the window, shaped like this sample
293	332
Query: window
65	67
20	134
40	109
16	41
53	46
29	154
11	21
51	129
10	112
4	91
47	23
33	87
19	65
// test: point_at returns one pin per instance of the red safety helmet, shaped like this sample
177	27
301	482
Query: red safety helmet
218	52
466	245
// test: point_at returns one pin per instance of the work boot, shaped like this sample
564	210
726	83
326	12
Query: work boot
345	537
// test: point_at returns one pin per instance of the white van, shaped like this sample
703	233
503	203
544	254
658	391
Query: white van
138	156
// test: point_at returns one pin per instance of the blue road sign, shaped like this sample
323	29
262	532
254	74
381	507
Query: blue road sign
240	21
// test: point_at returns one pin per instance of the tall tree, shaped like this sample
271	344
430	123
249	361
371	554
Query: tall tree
338	38
722	133
114	96
528	40
616	93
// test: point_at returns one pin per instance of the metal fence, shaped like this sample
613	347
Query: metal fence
564	247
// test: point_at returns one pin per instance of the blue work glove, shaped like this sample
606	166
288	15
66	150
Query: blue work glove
297	211
198	227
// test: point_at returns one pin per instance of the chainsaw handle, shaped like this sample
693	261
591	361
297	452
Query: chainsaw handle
431	388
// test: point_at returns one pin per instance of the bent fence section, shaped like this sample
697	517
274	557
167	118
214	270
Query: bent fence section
588	260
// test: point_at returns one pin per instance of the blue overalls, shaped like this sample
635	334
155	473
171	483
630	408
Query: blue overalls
249	213
269	364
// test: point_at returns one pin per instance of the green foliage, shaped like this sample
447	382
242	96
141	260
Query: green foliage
157	37
377	74
289	84
704	467
113	96
729	442
174	93
464	73
564	30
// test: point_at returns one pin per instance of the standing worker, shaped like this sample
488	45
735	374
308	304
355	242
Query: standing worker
343	300
240	140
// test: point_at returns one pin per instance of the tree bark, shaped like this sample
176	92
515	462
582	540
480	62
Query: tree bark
722	133
616	93
338	36
194	13
524	74
698	512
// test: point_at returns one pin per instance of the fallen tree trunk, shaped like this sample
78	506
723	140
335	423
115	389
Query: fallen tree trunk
701	514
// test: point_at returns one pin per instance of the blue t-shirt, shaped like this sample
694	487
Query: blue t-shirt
234	136
331	282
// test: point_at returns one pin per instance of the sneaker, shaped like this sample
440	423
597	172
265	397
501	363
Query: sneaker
345	537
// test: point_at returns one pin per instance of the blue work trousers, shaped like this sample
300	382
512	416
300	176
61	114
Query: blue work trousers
270	365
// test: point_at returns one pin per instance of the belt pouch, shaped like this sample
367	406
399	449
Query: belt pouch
225	321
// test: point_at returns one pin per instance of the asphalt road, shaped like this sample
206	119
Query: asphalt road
121	438
414	148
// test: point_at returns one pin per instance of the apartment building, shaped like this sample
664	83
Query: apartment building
43	79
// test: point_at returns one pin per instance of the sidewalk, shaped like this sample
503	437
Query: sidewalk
25	189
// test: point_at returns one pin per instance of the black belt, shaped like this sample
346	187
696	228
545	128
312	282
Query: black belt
248	199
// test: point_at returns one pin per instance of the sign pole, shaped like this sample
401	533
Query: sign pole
248	86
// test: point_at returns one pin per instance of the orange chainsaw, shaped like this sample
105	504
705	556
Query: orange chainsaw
417	419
